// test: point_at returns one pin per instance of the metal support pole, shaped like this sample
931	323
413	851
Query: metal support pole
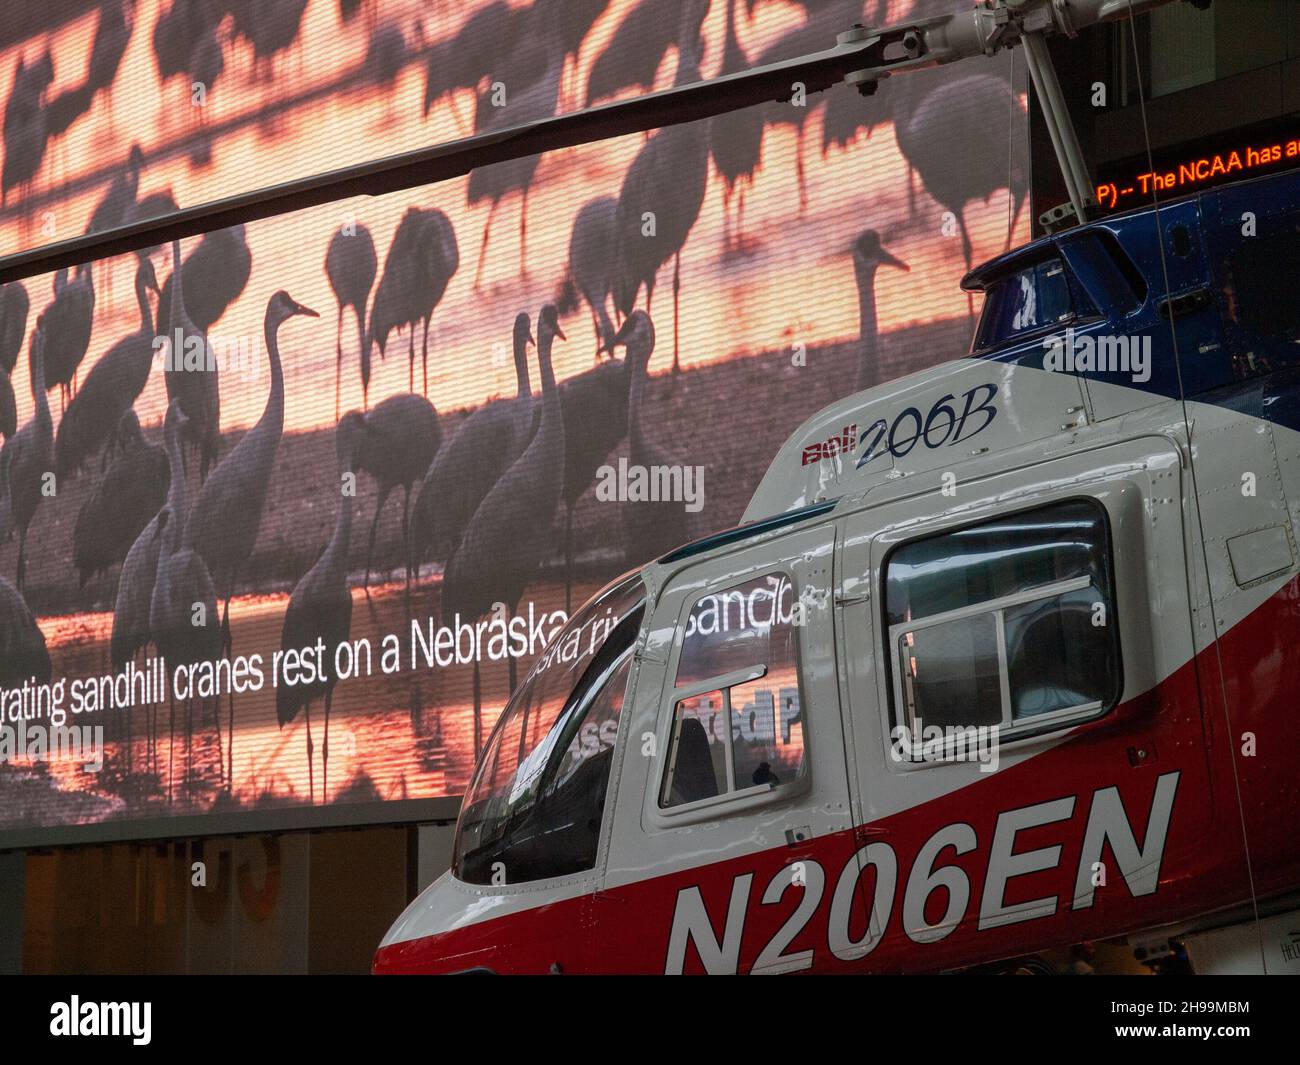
1069	155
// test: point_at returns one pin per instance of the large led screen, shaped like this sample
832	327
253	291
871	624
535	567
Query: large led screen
288	531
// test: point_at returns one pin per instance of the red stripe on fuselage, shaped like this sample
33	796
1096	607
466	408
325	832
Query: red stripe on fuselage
1202	865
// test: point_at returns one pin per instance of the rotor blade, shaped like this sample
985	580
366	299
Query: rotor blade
860	56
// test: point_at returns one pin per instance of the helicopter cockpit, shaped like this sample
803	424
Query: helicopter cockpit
535	804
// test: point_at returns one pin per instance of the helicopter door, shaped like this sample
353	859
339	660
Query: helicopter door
1031	760
731	823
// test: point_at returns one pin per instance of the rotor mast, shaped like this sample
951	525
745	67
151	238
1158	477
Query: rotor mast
986	30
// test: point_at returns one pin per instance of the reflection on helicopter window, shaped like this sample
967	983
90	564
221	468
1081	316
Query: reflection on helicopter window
737	719
1009	623
1031	299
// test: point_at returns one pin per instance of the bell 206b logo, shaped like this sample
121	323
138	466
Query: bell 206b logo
1107	831
944	424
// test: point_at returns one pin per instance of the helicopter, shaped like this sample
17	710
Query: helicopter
999	659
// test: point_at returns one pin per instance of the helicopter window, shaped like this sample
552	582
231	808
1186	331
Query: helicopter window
1007	624
737	721
1258	296
535	805
1032	299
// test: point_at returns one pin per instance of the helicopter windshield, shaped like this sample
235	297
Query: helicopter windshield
534	807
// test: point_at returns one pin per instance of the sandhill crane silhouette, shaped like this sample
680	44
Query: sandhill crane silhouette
595	420
29	85
523	103
824	23
401	437
23	654
178	32
735	140
68	320
592	247
227	515
320	608
270	26
66	106
151	206
131	633
574	19
465	469
8	406
111	388
421	261
631	58
14	307
183	606
215	274
651	528
191	373
521	65
350	264
135	590
463	60
385	54
847	111
120	195
27	460
510	534
26	125
868	256
112	35
662	192
123	503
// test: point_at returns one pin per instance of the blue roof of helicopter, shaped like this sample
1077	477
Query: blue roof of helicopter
979	278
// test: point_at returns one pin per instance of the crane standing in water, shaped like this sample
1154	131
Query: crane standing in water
23	654
464	471
663	192
736	141
592	247
350	264
68	319
651	528
868	256
27	460
14	308
227	515
421	261
126	499
521	105
111	388
216	273
510	534
192	374
631	58
320	607
595	420
401	437
183	604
